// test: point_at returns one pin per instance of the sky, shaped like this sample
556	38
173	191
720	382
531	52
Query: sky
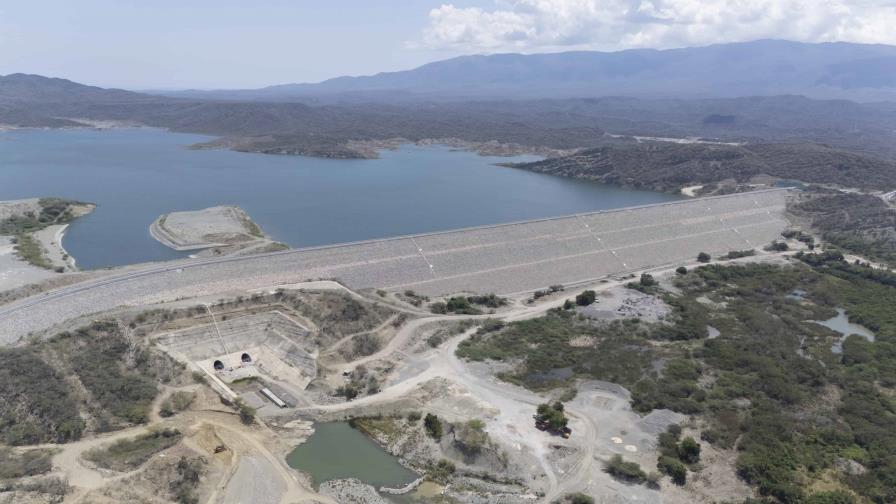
216	44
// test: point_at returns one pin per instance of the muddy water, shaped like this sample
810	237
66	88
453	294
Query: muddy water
841	324
336	451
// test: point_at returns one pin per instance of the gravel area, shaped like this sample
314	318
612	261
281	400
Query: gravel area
206	228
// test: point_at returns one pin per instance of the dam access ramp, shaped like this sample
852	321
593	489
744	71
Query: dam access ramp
503	259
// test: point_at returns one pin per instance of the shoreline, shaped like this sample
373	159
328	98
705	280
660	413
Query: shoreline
58	237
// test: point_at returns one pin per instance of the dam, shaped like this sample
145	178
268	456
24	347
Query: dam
503	259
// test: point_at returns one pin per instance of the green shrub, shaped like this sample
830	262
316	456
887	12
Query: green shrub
17	464
586	298
441	471
689	451
433	426
246	412
489	300
835	497
128	454
673	468
553	415
36	404
575	498
183	486
703	257
681	270
175	403
626	471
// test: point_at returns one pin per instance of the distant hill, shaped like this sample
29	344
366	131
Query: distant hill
24	88
766	67
669	166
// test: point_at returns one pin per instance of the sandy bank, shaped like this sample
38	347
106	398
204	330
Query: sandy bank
15	272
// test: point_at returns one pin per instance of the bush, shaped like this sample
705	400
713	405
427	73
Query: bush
689	451
489	300
100	353
681	270
458	304
246	412
365	344
36	404
835	497
626	471
433	426
129	454
575	498
703	257
15	464
349	392
647	280
586	298
553	415
737	254
440	471
175	403
183	486
674	468
470	437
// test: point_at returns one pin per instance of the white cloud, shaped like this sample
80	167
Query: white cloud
536	25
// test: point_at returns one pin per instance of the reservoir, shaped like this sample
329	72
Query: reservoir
135	175
337	451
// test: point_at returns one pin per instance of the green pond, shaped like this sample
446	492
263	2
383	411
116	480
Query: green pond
337	451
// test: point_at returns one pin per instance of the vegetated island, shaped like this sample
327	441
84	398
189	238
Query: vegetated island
32	229
219	230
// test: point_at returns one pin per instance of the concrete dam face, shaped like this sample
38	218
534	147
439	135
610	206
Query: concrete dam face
503	259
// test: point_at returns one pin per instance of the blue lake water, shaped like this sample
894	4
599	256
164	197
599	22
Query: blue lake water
135	175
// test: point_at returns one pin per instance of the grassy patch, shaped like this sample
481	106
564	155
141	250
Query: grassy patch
36	404
27	463
128	454
31	251
176	402
552	351
120	375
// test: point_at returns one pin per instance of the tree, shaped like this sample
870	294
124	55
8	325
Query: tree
433	426
681	270
703	257
689	451
647	280
586	298
553	415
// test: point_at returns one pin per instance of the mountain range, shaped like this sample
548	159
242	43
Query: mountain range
858	72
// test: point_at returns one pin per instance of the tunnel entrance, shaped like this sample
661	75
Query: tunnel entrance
246	358
219	366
